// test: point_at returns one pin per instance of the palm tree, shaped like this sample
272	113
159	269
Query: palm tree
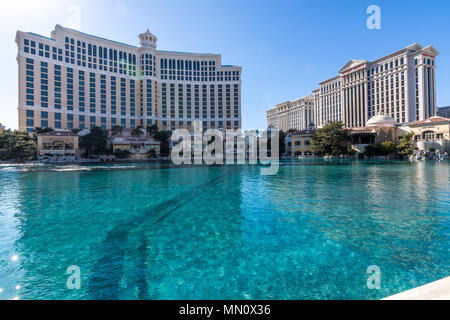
116	129
151	130
137	132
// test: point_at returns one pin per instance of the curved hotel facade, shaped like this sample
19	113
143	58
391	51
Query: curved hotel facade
401	85
76	80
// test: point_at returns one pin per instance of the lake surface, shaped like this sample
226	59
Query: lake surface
151	232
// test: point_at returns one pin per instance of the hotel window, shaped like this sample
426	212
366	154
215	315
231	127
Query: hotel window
26	44
70	89
113	95
132	97
204	106
212	101
58	120
57	85
236	101
103	93
70	121
44	84
44	119
81	90
188	100
30	82
92	121
180	101
149	97
30	124
164	100
81	120
92	93
123	103
228	99
196	102
30	120
33	47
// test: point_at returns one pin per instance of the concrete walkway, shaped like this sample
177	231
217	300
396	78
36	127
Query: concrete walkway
439	290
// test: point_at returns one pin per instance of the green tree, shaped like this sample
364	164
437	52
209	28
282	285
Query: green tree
16	145
94	142
116	129
405	146
372	150
164	149
42	130
387	148
332	139
137	132
151	130
163	136
380	149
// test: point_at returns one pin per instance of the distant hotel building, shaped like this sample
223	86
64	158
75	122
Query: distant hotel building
443	112
76	80
401	85
292	115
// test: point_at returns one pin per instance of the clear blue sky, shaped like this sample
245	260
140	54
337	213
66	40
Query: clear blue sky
285	47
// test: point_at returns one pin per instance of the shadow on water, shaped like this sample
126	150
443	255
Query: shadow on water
108	267
104	283
142	267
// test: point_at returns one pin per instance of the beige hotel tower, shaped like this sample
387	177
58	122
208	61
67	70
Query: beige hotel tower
76	80
401	85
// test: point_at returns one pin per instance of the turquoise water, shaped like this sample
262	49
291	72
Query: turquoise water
151	232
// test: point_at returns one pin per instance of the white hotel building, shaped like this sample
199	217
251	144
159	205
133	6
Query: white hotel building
76	80
292	115
401	85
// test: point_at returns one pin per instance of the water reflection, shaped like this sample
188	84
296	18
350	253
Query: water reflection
391	216
223	232
10	232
